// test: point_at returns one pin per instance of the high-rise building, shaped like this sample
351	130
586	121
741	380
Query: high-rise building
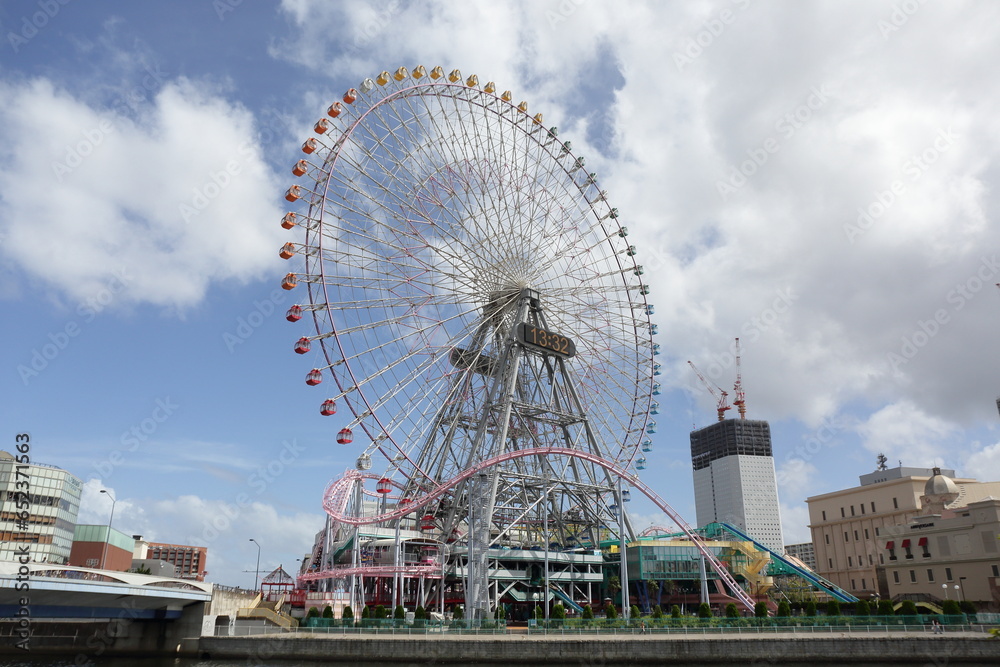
101	547
51	505
805	552
734	479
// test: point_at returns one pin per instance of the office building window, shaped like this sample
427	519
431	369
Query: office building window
876	531
881	559
866	533
831	563
850	563
895	504
913	576
862	511
842	515
847	538
895	576
855	536
852	510
947	573
824	515
827	536
871	561
996	571
873	506
854	586
930	575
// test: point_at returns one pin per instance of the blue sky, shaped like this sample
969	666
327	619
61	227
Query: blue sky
817	178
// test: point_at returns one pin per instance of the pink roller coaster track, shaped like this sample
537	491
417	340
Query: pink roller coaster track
337	494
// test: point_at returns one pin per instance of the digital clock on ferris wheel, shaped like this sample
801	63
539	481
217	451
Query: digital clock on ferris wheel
545	340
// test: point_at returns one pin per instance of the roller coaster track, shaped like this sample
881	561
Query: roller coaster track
337	494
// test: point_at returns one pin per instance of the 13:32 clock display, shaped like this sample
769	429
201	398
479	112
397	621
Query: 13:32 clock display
545	340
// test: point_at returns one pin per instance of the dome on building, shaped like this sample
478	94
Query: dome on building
939	491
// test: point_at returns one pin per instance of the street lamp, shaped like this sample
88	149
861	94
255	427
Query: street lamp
104	556
256	576
945	587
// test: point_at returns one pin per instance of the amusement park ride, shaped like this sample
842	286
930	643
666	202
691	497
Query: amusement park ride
484	328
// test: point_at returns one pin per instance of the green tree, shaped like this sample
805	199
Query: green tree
704	610
833	608
784	609
907	608
862	608
458	613
558	611
732	611
419	614
760	609
810	608
312	613
327	611
399	613
633	611
951	607
348	613
365	613
610	611
657	612
588	612
967	607
380	612
539	614
885	608
675	611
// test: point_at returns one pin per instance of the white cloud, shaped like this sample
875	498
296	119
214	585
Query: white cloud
106	209
904	433
984	464
795	524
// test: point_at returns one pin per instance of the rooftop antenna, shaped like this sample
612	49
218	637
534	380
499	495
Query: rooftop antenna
881	461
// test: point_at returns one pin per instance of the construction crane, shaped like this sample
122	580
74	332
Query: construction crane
740	402
722	401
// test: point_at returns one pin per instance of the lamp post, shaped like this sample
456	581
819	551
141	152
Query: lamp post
104	556
945	587
256	576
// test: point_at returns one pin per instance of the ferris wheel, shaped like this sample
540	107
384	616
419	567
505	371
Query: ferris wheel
474	296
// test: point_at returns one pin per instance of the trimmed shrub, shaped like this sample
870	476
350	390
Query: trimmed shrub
399	613
633	611
704	610
810	608
967	607
327	611
885	608
365	613
657	612
862	608
732	611
539	614
907	608
558	611
348	614
784	609
675	611
420	614
833	608
951	607
610	610
458	613
760	609
588	613
312	613
380	612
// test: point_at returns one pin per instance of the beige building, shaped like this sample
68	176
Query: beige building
951	550
851	527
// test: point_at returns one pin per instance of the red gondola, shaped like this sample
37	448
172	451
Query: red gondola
335	109
350	96
384	486
290	281
345	437
287	251
293	193
288	221
310	145
321	126
294	313
328	408
427	522
302	345
314	377
300	168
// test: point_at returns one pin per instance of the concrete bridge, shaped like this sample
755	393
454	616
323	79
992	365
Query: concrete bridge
83	611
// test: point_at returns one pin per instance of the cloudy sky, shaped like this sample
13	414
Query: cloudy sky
816	178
